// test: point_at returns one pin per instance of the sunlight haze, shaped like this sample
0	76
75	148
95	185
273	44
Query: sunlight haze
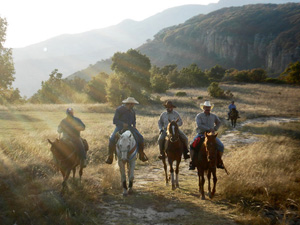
34	21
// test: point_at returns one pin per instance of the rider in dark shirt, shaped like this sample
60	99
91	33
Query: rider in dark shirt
125	119
71	127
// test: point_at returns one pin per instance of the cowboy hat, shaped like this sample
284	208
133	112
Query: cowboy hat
130	100
169	104
206	103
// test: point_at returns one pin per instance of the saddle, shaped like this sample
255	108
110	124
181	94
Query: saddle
198	141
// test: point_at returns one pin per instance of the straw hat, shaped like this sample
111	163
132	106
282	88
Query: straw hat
206	103
169	104
130	100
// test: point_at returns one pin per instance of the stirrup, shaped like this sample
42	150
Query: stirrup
186	156
191	166
220	166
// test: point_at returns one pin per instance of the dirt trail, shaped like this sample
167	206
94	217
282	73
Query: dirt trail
153	202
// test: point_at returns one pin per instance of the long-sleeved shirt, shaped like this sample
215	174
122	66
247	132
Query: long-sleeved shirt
165	117
71	127
207	122
231	106
124	115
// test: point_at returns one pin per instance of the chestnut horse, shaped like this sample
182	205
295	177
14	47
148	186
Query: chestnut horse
174	149
233	115
67	158
207	162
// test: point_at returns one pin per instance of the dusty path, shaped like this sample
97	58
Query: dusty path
153	202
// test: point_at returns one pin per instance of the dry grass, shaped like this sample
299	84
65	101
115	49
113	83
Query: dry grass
266	172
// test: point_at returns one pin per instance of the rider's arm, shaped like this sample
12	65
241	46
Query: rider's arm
201	126
160	122
116	119
179	122
217	123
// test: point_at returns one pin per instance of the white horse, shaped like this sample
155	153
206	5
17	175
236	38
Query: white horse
126	152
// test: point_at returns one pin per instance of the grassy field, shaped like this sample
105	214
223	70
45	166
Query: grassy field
264	177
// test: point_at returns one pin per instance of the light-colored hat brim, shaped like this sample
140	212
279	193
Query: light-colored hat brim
130	100
202	105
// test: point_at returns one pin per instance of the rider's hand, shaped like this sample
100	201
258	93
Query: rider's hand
161	131
125	126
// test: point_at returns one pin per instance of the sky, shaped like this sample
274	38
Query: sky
33	21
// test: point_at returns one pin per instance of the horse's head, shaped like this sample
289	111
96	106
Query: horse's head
125	145
55	145
173	130
211	148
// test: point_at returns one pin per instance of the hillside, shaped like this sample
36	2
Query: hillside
253	36
72	52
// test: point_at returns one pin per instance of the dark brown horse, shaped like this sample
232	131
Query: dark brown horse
233	115
207	162
174	149
67	158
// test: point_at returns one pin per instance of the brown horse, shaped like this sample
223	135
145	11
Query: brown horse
233	115
67	158
207	162
174	149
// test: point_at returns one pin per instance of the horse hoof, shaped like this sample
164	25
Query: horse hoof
203	198
125	194
130	191
173	188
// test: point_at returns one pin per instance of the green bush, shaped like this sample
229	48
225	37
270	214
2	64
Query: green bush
181	94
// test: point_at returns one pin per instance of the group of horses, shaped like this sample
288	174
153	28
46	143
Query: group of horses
126	149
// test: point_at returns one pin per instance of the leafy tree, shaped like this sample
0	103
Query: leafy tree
216	73
291	74
192	76
115	91
77	84
7	70
159	83
258	75
132	68
215	91
96	88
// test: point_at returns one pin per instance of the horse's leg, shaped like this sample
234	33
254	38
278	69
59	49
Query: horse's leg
74	172
208	180
64	183
172	173
215	179
177	172
166	170
80	173
131	175
123	176
201	182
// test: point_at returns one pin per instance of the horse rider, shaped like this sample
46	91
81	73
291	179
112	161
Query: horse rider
207	122
125	119
71	127
230	107
163	122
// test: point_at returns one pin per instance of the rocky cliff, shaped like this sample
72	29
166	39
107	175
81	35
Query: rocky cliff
252	36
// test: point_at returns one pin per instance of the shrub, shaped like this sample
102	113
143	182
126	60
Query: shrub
181	94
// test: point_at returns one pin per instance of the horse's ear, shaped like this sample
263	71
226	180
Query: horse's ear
50	142
216	134
205	133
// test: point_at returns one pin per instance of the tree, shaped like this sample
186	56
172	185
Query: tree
216	73
192	76
96	87
291	74
7	69
132	68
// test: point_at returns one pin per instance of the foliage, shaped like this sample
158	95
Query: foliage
192	76
54	90
248	76
132	69
291	74
78	84
115	91
96	87
180	94
215	91
7	70
159	83
216	73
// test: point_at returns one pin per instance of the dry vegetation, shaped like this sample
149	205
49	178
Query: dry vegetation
264	177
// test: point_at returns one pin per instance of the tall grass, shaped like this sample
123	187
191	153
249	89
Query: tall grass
266	172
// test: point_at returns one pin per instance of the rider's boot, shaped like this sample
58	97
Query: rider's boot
186	152
220	164
192	165
142	155
111	150
162	153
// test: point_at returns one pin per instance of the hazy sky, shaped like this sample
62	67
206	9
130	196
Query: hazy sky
33	21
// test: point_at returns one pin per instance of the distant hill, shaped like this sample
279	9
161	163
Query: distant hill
253	36
71	53
86	54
